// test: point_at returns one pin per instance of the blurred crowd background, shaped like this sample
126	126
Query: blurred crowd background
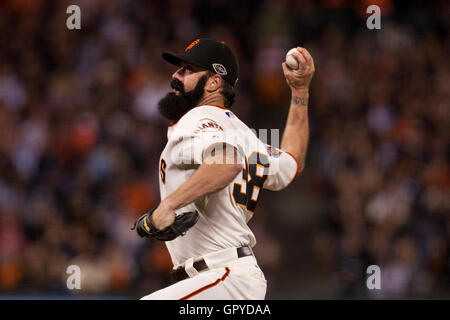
80	139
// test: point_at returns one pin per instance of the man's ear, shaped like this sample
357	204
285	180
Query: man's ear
214	83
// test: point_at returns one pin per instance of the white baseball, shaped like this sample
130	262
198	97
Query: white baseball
291	61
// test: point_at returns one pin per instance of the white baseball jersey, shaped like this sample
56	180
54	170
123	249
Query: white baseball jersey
223	214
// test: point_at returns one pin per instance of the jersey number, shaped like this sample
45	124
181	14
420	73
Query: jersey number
254	174
162	170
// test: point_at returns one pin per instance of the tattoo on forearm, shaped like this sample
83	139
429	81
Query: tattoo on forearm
298	100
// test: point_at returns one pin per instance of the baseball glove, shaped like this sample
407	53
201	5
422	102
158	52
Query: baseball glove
183	222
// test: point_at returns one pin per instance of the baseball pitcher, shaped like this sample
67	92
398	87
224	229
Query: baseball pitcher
212	171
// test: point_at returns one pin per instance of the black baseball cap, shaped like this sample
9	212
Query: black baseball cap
208	54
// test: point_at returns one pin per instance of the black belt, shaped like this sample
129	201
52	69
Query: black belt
181	274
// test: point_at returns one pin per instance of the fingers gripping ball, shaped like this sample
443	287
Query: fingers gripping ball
291	61
183	222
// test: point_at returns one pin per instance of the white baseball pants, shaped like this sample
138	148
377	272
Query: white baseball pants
239	279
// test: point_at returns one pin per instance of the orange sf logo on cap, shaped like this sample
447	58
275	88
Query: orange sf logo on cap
189	47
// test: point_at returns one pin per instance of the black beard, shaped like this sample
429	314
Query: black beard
173	106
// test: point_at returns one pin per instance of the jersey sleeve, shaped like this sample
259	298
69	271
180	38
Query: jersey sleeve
282	170
198	135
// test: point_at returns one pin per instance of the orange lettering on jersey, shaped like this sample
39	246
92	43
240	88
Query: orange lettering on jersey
194	43
207	125
211	125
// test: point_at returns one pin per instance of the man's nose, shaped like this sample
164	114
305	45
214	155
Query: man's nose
177	75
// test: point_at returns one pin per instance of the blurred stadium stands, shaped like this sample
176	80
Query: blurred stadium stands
80	139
